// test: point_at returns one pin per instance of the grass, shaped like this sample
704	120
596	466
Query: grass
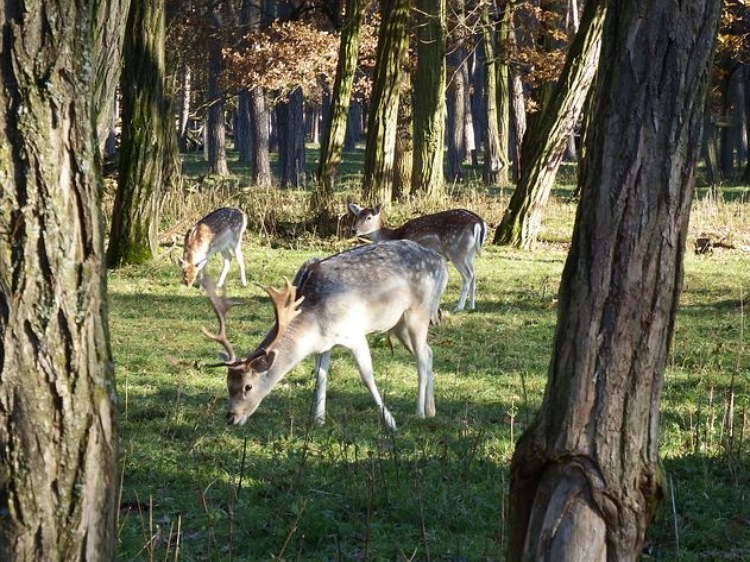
281	488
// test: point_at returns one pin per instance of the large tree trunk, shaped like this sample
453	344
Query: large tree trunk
382	122
58	482
146	132
545	143
335	129
586	478
428	107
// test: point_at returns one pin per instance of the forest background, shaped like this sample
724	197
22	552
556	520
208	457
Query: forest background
255	88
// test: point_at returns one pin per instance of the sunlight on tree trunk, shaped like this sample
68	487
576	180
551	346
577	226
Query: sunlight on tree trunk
586	478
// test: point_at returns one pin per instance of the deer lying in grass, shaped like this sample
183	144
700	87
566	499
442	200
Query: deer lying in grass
217	232
390	287
456	234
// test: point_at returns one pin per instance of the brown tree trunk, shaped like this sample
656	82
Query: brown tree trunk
58	482
586	478
545	143
382	122
214	127
291	128
147	131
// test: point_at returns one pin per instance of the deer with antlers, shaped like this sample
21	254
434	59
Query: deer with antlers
392	287
218	232
456	234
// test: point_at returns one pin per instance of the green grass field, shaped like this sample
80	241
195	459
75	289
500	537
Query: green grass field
281	488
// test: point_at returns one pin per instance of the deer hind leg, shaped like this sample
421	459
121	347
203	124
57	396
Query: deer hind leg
227	260
362	356
465	268
322	361
240	261
412	332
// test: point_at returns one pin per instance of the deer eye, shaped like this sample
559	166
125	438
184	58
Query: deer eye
248	387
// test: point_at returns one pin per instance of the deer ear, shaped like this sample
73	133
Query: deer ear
377	208
355	209
263	362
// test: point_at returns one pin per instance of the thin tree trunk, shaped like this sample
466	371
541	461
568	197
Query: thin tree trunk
403	164
215	128
183	140
585	477
146	126
336	125
456	112
543	150
502	68
382	123
493	163
58	466
428	107
291	126
260	139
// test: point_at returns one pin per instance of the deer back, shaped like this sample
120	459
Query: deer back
338	301
213	233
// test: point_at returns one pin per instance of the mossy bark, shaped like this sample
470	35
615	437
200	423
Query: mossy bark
428	176
382	122
58	481
145	137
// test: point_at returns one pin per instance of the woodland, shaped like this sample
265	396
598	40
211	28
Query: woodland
585	133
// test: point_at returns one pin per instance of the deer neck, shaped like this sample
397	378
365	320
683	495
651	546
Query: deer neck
291	349
383	234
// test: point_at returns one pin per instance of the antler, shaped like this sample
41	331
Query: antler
285	303
221	306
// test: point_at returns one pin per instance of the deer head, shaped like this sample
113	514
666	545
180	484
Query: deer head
247	381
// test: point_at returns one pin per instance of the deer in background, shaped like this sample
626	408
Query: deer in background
456	234
217	232
392	287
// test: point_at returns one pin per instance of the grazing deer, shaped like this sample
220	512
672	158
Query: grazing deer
457	234
390	287
217	232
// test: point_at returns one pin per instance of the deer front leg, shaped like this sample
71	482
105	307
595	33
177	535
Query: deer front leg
362	356
322	361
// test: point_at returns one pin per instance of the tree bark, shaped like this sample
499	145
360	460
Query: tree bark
585	477
335	130
428	107
146	133
493	163
502	69
291	128
382	122
58	481
215	127
544	146
260	139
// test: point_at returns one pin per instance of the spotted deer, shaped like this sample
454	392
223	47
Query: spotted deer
392	287
218	232
456	234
